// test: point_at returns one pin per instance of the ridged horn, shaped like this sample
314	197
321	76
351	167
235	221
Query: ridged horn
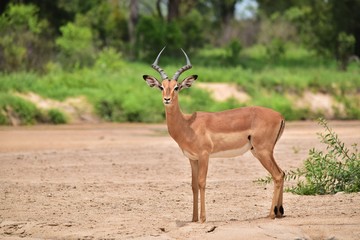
184	68
157	68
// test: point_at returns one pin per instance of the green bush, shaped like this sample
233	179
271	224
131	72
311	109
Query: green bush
118	93
56	116
23	44
194	25
275	49
154	33
345	49
233	52
109	59
337	169
17	109
281	104
76	46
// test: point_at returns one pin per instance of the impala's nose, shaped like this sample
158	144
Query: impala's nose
167	100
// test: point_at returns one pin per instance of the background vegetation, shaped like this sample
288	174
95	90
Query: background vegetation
335	169
273	51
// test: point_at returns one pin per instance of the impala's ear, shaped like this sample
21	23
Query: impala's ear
187	82
152	82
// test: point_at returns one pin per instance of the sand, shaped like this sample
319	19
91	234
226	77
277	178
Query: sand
121	181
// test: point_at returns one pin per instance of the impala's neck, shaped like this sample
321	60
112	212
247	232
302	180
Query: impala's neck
175	119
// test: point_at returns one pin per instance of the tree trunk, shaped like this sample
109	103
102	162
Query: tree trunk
134	16
173	9
158	8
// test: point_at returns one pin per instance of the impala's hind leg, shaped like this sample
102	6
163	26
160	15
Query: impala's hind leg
267	160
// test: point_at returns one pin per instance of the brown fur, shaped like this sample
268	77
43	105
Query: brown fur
202	135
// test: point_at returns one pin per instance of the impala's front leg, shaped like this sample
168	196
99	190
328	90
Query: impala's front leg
203	168
195	188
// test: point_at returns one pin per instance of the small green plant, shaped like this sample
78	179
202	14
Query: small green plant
75	45
335	170
326	172
346	45
15	110
233	52
56	116
276	49
22	44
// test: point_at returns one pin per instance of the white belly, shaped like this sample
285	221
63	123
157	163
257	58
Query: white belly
223	154
232	152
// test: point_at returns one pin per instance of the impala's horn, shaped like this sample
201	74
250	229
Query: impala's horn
157	68
184	68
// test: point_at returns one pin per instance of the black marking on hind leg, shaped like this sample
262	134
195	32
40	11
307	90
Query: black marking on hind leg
281	210
275	210
249	137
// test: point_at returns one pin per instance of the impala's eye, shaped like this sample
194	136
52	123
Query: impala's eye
176	88
161	88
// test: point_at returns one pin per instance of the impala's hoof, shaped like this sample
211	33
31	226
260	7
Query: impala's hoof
281	212
277	213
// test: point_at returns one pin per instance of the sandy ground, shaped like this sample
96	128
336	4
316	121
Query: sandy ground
125	181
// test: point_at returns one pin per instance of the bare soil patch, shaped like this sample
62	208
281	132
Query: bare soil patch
225	91
120	181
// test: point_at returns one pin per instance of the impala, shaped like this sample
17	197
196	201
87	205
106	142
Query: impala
204	135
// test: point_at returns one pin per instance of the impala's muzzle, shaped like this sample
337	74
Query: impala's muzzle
167	100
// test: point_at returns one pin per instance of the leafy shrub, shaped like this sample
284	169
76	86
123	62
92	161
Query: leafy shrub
275	49
154	33
56	116
130	105
75	45
233	51
109	59
194	25
346	45
17	109
109	108
150	36
326	172
336	170
22	40
281	104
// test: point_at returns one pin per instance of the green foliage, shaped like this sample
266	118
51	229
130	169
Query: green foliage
326	172
109	24
233	52
14	108
130	105
109	59
76	46
153	33
21	38
56	116
275	49
193	24
118	93
335	170
323	28
280	103
345	49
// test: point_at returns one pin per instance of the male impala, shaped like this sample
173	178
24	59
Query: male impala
204	135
